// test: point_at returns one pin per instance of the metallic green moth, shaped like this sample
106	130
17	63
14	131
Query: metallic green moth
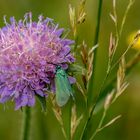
63	87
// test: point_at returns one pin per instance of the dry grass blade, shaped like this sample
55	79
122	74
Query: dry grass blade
121	74
90	67
72	15
81	12
58	114
81	90
74	121
109	123
91	51
111	45
108	100
113	18
84	53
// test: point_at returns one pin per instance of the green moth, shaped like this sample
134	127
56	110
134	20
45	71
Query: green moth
63	87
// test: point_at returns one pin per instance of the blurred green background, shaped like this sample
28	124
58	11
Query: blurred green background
126	128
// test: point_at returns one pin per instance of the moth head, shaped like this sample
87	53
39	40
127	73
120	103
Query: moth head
58	68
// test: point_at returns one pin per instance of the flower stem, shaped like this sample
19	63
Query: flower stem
26	124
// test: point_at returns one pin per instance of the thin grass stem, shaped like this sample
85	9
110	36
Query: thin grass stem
94	62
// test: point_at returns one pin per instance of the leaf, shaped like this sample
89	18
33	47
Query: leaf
42	101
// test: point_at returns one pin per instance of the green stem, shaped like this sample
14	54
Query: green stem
96	39
94	63
26	124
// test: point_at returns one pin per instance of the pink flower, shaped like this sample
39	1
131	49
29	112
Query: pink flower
29	54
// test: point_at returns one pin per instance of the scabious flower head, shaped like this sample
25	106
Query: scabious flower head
29	54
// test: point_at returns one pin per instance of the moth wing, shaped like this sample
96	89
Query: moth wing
69	89
62	89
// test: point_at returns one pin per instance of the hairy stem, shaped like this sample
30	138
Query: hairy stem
26	124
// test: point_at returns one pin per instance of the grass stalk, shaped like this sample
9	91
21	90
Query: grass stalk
96	39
